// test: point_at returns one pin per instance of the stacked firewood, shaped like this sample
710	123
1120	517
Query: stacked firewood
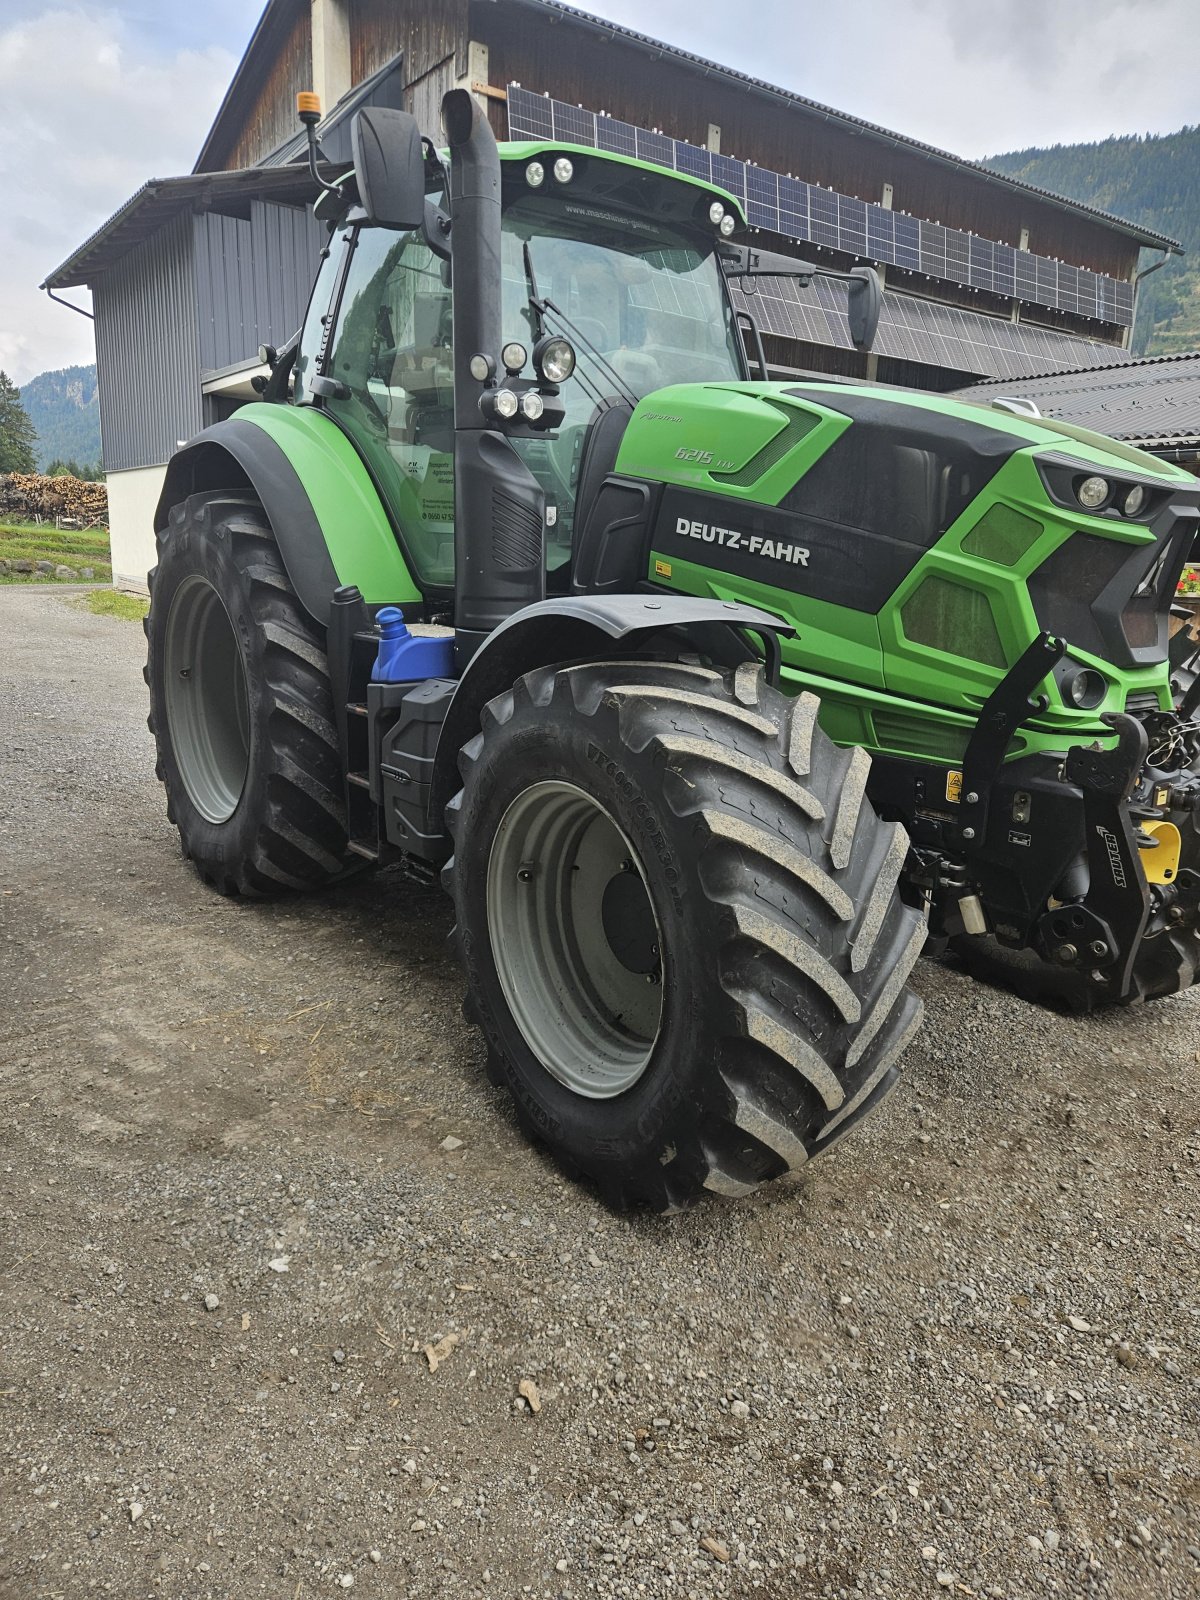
70	502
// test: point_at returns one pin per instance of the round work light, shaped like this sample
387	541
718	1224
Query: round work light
1092	493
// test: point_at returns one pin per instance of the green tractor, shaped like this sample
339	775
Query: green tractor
710	699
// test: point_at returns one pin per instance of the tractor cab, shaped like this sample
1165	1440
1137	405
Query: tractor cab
619	261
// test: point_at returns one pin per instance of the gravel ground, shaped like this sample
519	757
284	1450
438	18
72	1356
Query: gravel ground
252	1169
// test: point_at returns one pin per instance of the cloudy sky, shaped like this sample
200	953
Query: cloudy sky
100	97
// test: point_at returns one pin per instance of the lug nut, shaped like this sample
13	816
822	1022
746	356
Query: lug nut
1066	953
1098	947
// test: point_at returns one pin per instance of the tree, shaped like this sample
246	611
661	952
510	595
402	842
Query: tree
17	436
71	469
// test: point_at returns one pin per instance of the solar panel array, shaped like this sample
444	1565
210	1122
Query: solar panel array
918	330
806	212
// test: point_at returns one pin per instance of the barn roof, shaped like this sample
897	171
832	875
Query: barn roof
162	199
1153	403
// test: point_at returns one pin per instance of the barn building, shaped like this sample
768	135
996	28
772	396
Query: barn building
985	277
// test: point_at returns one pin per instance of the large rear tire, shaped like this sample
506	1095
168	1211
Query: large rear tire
240	705
680	923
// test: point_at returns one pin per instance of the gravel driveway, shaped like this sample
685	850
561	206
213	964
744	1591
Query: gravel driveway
256	1187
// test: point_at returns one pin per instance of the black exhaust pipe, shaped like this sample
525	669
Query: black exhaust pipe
499	507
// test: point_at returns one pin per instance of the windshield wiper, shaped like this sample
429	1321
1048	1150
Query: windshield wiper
537	317
542	305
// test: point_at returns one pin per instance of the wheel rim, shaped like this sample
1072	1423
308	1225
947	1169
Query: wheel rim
575	939
207	709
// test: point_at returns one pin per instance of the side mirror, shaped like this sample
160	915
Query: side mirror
866	302
389	167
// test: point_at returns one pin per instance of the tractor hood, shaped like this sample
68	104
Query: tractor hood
946	533
744	439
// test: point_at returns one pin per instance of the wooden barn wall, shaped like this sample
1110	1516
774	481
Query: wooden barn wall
431	33
270	117
607	74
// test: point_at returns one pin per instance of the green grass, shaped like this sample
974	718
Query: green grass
110	603
68	547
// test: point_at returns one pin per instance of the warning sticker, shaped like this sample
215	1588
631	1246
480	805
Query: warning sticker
954	787
662	569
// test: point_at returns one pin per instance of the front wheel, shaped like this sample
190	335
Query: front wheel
680	923
240	705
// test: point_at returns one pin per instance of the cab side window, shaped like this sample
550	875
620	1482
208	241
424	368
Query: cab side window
392	348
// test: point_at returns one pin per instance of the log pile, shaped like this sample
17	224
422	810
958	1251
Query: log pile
66	502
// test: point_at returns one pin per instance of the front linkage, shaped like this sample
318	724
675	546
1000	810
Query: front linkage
1072	876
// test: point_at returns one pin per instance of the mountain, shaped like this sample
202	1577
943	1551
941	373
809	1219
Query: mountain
1154	180
64	409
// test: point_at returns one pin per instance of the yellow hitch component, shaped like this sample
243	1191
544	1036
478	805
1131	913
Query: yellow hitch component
1161	863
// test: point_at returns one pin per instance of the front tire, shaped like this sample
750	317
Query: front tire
680	923
240	705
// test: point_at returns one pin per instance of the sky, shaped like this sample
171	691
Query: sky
101	97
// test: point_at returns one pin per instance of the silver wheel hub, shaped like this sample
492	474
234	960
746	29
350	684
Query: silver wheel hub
575	939
204	686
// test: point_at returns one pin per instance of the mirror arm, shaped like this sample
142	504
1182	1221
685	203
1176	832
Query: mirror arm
326	188
435	230
281	363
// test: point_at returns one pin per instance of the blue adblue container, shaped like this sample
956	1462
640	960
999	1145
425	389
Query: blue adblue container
405	657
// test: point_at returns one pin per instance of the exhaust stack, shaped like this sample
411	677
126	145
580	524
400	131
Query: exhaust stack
499	507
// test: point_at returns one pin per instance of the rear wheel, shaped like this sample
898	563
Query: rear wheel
240	705
680	923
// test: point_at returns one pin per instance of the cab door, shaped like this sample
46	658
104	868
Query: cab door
391	358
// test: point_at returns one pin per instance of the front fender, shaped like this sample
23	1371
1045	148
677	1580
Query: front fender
324	510
582	628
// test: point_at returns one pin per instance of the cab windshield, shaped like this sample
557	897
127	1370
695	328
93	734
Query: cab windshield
643	304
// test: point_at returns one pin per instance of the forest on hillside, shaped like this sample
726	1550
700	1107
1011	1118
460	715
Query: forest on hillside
65	412
1153	179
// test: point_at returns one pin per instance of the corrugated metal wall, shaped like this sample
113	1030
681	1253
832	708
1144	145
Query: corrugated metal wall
147	350
253	277
202	294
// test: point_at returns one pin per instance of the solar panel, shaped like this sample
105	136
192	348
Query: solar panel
810	214
923	331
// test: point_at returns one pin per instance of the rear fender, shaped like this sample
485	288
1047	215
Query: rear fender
324	510
591	628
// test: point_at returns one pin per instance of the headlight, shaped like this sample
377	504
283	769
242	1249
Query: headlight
728	224
480	368
1092	493
554	358
505	403
535	174
563	170
715	212
514	356
532	405
1135	500
1086	688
